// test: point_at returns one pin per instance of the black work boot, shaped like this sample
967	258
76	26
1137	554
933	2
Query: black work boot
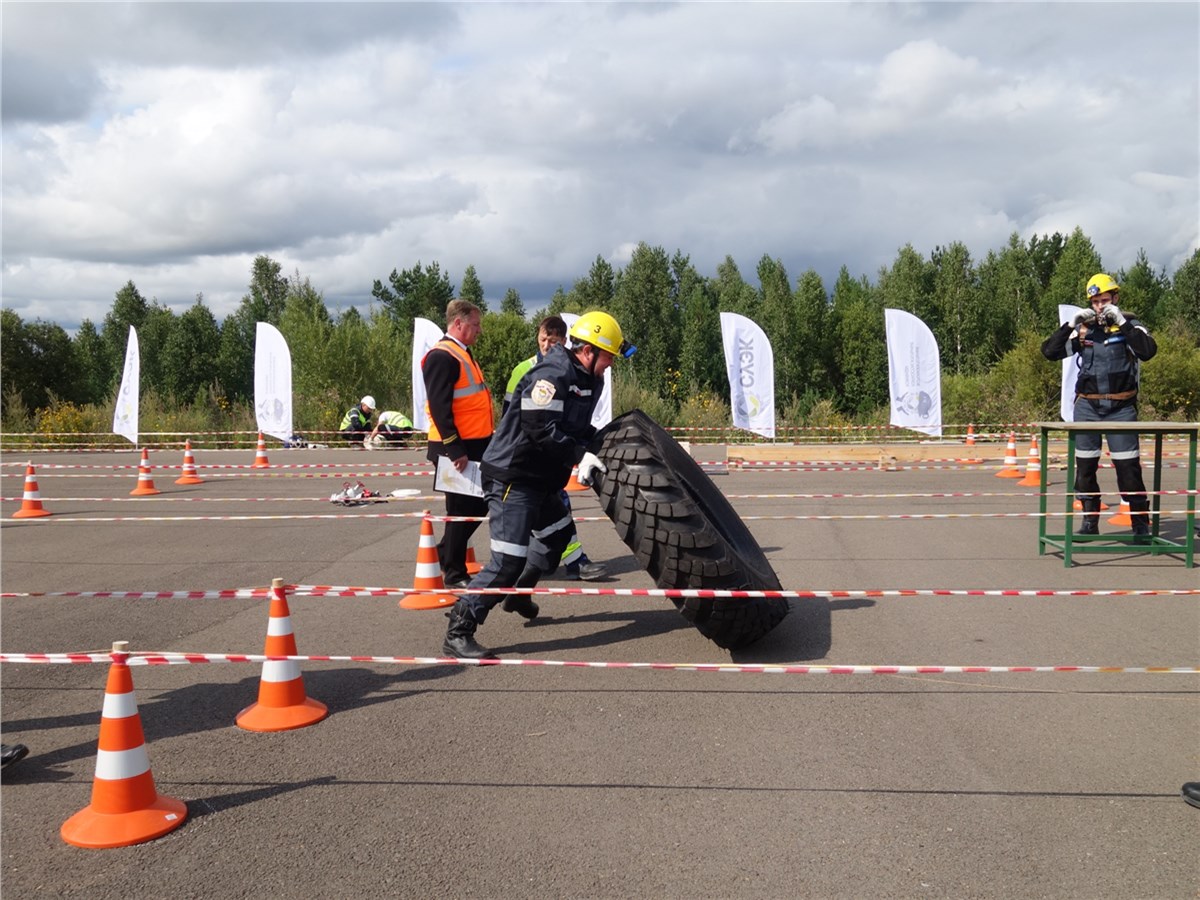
460	636
1091	516
1140	524
522	604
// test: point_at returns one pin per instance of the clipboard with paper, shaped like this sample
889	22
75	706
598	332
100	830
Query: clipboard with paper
448	479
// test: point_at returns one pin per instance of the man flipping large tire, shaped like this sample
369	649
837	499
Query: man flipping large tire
684	532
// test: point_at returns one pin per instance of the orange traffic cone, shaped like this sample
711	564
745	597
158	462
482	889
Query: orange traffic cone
1033	467
1122	516
473	567
574	483
260	454
970	444
126	808
1078	505
145	484
428	575
31	501
189	475
1010	469
282	704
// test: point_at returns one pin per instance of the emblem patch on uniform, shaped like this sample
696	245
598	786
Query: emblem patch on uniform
542	393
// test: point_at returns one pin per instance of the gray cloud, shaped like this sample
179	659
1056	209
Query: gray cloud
171	143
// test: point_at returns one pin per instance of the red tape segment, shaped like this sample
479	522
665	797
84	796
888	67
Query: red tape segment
176	659
325	590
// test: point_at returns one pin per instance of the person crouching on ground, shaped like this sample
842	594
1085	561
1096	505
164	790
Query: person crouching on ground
391	426
356	423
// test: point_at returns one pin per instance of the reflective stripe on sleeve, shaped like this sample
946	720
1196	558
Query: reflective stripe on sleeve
552	406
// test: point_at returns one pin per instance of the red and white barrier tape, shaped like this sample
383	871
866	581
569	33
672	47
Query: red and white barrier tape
832	466
938	495
252	473
325	590
175	498
176	659
54	467
65	519
178	498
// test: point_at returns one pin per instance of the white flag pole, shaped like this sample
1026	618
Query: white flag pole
125	416
750	365
1066	399
425	335
272	382
914	373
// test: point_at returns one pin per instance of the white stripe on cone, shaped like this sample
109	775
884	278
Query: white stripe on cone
119	706
278	670
114	765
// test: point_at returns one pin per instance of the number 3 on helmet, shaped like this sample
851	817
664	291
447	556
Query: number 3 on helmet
601	331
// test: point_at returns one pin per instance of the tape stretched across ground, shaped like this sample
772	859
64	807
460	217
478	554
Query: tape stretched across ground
683	531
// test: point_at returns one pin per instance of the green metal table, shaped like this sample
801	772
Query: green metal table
1070	543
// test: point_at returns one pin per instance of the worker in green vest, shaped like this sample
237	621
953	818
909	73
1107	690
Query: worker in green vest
390	427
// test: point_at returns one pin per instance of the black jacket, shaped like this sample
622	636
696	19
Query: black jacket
547	426
1107	358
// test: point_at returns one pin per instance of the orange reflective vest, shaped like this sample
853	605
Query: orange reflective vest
472	405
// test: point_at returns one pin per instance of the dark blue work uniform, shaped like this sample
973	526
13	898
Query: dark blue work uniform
541	437
1106	387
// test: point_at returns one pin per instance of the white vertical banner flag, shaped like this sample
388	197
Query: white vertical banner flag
914	373
425	335
602	414
272	382
125	416
1070	369
750	364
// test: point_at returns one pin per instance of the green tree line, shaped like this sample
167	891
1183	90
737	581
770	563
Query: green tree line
989	317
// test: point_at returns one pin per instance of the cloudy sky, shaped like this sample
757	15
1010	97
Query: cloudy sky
171	143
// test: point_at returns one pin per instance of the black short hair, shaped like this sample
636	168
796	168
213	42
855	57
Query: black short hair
554	325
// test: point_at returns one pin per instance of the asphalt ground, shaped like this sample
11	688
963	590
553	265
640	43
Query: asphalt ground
528	781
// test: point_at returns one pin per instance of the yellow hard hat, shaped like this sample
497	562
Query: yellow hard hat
601	331
1101	284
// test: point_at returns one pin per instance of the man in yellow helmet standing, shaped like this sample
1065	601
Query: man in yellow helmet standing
1109	346
543	435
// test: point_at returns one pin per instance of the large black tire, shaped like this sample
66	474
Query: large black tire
683	531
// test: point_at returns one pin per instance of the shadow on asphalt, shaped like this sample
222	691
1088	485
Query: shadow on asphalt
632	624
209	805
206	706
806	633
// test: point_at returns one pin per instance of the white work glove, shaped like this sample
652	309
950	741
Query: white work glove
588	467
1110	313
1083	317
369	444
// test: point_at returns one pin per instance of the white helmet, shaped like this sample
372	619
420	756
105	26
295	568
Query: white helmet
368	401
